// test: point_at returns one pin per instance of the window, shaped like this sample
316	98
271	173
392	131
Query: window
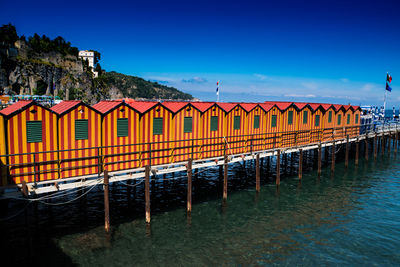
356	118
122	127
236	123
273	121
214	123
316	120
256	121
330	116
187	125
339	119
34	131
157	126
290	117
348	118
305	115
81	129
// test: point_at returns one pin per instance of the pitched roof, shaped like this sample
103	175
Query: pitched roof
283	105
248	106
314	106
300	106
174	106
347	107
326	106
202	106
14	108
266	106
227	106
65	106
142	106
337	106
105	106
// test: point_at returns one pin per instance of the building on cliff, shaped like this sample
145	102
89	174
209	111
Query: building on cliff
89	56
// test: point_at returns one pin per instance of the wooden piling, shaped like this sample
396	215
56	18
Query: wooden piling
333	152
147	191
383	144
278	168
300	164
396	139
258	173
366	148
189	186
375	146
346	160
106	203
388	142
357	150
319	159
225	192
24	189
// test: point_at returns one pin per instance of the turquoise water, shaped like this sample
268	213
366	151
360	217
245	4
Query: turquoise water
351	218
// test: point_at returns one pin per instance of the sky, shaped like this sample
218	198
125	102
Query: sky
314	51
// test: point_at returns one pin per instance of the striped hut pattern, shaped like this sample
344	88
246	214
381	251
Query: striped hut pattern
273	131
328	122
213	141
258	134
236	138
288	129
304	124
3	160
339	131
317	130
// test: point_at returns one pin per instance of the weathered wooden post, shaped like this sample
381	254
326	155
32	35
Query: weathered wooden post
346	161
388	142
333	152
106	203
258	173
225	192
319	159
357	150
366	148
300	163
397	139
189	185
383	144
278	168
375	146
147	191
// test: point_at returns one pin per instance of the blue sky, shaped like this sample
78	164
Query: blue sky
320	51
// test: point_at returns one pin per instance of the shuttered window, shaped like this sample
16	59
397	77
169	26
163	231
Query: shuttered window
339	119
214	123
81	129
316	120
356	118
256	121
290	117
236	123
305	116
187	125
34	131
348	118
157	126
122	127
273	121
330	116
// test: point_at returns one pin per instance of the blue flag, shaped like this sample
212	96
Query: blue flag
388	87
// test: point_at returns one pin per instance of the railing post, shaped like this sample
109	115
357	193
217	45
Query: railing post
106	203
189	185
258	172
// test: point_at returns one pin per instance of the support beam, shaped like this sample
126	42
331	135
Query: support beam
397	142
189	185
346	160
147	192
319	159
106	203
383	144
375	146
366	148
278	168
333	152
389	139
300	164
225	192
258	173
357	150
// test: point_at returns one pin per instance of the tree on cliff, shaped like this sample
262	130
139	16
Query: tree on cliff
8	34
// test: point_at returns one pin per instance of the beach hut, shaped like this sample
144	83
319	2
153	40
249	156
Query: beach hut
328	121
288	123
120	135
255	126
235	127
349	121
356	121
272	125
31	136
79	138
316	124
339	129
304	123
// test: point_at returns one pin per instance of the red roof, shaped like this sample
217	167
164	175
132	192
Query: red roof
337	106
174	106
202	106
347	107
300	105
65	106
20	105
248	106
142	106
314	106
266	106
106	105
326	106
283	105
227	106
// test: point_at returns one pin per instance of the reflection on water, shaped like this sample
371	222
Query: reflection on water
350	218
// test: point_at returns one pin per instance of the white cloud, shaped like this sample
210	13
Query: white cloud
261	76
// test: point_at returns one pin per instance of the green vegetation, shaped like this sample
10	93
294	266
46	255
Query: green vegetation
45	44
8	34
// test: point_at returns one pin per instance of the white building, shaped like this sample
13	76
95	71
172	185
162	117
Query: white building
89	56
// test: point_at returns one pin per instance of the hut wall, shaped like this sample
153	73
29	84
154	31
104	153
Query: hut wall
340	121
23	165
81	157
329	119
304	126
273	128
257	131
213	132
237	140
356	122
316	134
289	128
3	160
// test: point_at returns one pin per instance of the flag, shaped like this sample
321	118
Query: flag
388	78
217	90
388	87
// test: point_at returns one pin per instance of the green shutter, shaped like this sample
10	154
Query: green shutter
236	123
316	120
122	127
330	116
157	126
290	117
34	131
273	121
356	118
305	116
256	121
339	119
348	118
81	129
214	123
187	125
